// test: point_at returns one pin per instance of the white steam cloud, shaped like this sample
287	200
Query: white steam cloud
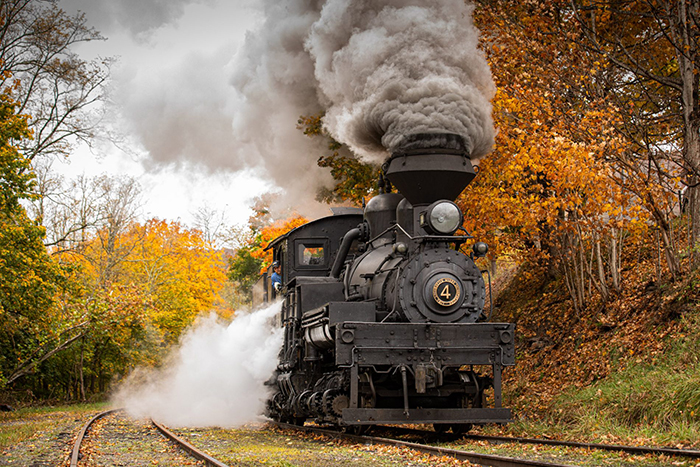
215	378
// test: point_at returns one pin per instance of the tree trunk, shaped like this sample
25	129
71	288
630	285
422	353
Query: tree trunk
687	53
614	260
82	379
26	368
670	253
601	272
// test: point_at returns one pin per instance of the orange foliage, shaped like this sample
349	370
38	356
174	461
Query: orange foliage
561	178
271	232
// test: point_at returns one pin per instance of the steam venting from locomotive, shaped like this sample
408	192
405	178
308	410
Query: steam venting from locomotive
214	378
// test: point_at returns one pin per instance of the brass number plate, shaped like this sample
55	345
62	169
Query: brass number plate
446	291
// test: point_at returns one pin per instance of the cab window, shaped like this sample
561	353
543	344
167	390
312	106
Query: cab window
312	254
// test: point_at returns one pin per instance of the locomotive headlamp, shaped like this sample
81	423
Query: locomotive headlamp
480	249
442	217
400	248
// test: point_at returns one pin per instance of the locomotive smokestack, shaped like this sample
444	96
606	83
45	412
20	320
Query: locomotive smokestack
429	167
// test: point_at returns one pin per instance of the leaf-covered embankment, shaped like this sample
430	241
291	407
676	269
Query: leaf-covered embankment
626	369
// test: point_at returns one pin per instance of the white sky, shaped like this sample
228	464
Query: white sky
170	53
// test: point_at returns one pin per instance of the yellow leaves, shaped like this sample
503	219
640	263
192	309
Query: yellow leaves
269	233
171	270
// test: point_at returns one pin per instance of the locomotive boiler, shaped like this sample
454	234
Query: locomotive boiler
383	314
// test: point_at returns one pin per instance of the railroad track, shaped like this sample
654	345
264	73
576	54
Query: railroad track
179	442
391	439
75	455
194	452
643	450
474	457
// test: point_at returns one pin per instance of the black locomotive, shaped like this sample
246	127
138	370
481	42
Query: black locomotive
383	316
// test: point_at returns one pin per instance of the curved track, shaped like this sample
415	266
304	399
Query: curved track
75	455
482	459
182	444
196	453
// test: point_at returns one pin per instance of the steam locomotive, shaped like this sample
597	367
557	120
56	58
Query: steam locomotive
383	315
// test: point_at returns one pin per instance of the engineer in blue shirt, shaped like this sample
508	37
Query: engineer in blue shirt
276	279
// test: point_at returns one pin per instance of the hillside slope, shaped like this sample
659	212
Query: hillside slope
625	370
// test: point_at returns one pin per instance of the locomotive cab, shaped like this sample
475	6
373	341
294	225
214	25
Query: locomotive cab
383	313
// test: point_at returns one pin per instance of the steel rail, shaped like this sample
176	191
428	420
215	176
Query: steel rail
75	456
604	447
481	459
691	453
196	453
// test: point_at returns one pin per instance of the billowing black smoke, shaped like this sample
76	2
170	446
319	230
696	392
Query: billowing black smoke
387	69
380	70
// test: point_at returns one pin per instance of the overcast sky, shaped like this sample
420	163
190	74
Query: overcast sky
209	92
171	85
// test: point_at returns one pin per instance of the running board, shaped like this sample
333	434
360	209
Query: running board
383	416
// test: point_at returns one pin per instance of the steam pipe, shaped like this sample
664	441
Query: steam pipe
345	245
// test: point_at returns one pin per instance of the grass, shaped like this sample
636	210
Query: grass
23	424
658	401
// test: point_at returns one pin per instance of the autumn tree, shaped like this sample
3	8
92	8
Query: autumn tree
354	179
656	57
142	286
251	259
553	184
212	224
31	281
55	87
244	269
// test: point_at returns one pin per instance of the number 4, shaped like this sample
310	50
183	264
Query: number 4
446	292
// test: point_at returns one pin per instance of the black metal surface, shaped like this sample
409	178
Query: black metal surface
411	343
343	250
387	416
314	292
425	178
381	212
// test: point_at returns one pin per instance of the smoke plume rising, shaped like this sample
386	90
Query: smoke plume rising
137	16
215	378
387	69
379	69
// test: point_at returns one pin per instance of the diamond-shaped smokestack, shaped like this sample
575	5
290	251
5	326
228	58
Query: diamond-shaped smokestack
430	166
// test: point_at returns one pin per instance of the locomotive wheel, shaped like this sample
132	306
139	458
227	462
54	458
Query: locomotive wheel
357	430
315	404
274	407
334	403
441	427
461	428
